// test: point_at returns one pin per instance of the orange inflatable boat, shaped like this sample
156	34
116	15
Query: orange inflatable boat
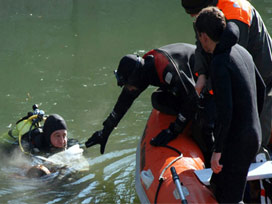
175	173
154	180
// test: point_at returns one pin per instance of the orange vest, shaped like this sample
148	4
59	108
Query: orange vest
236	9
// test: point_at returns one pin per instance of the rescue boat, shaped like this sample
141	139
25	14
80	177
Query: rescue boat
161	170
176	173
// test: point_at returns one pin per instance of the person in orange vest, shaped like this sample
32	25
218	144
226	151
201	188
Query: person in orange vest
168	68
237	129
253	36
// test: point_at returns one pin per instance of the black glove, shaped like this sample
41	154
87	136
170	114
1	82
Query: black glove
164	137
99	137
171	133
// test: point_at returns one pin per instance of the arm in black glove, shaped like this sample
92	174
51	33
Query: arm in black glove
101	136
171	133
124	102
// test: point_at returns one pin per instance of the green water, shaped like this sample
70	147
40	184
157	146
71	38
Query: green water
61	55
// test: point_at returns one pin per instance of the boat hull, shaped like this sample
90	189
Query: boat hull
152	161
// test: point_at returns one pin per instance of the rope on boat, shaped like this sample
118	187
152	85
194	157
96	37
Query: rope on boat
176	150
158	189
179	157
161	179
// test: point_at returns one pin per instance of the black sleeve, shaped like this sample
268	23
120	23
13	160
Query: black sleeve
127	97
223	99
201	61
261	89
125	100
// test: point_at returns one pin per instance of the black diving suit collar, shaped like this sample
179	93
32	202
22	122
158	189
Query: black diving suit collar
229	38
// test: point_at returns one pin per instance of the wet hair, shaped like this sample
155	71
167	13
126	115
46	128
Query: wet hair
211	21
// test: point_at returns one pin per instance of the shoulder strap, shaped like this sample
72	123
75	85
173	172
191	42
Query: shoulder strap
182	76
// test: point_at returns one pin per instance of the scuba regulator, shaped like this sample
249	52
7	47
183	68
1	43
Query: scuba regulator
24	127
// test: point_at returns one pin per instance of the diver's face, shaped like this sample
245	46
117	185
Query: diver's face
59	138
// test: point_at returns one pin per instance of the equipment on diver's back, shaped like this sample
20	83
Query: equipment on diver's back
23	128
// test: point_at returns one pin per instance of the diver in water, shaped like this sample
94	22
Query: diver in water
52	137
44	139
35	138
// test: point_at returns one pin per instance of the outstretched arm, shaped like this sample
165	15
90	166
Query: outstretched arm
124	102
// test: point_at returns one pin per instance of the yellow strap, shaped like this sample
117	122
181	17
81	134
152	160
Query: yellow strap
20	133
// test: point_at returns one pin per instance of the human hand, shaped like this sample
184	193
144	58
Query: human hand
99	137
216	167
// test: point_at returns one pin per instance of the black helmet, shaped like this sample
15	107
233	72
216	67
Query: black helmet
195	6
126	67
52	123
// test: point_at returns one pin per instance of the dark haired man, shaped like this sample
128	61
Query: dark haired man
237	128
253	35
168	68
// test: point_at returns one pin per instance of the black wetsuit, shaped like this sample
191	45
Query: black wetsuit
35	142
168	68
237	129
254	36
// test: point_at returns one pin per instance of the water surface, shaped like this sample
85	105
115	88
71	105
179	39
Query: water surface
61	55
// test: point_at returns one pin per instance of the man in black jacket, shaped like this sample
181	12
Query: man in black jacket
253	35
168	68
237	128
